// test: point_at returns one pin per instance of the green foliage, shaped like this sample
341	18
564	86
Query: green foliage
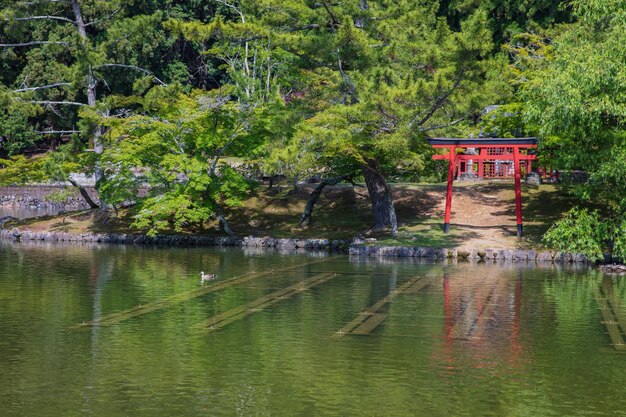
607	183
298	88
590	233
45	59
171	158
574	93
16	132
21	170
370	82
619	238
59	197
508	18
505	121
579	231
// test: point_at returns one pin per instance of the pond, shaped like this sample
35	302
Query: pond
95	330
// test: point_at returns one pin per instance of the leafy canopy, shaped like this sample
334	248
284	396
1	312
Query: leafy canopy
171	157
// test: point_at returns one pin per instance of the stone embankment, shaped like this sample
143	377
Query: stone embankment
354	249
613	269
479	254
176	240
44	197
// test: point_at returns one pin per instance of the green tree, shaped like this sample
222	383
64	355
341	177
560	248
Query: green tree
366	80
508	18
574	93
69	55
378	77
169	159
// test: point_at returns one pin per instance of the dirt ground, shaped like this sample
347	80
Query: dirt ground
483	213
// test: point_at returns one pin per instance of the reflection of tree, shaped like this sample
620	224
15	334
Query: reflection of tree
99	273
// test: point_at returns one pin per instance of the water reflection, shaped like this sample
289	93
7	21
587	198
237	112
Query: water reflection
451	338
482	315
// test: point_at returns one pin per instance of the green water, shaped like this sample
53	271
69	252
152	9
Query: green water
477	340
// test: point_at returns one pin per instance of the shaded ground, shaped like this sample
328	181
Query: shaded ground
483	215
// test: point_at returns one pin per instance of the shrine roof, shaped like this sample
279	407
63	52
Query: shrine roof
482	141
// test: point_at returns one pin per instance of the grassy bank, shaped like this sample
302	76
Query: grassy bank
483	214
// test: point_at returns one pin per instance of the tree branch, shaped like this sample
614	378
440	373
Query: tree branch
43	87
35	3
232	6
221	151
46	17
56	132
95	22
136	68
47	102
305	218
334	22
426	129
436	105
13	45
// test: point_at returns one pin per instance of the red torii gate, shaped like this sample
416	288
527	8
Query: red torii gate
489	150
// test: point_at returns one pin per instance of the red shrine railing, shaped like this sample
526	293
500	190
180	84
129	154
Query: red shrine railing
486	158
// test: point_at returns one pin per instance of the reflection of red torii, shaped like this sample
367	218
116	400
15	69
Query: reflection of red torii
489	149
471	305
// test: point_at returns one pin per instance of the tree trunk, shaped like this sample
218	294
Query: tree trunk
224	225
305	219
380	196
84	193
91	89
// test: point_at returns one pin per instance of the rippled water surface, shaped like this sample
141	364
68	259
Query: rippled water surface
130	331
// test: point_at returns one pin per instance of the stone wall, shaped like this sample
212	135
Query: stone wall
470	253
177	240
38	197
303	244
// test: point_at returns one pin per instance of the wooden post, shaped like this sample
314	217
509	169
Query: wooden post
481	163
451	167
518	191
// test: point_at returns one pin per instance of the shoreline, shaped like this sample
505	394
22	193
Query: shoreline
331	245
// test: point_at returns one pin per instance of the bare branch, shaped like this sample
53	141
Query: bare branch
35	3
43	87
136	68
457	121
235	8
14	45
95	22
56	132
46	17
50	103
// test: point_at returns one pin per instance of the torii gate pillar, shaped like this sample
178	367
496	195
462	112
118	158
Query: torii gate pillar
451	167
518	192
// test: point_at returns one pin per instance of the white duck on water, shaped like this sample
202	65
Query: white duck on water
206	277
